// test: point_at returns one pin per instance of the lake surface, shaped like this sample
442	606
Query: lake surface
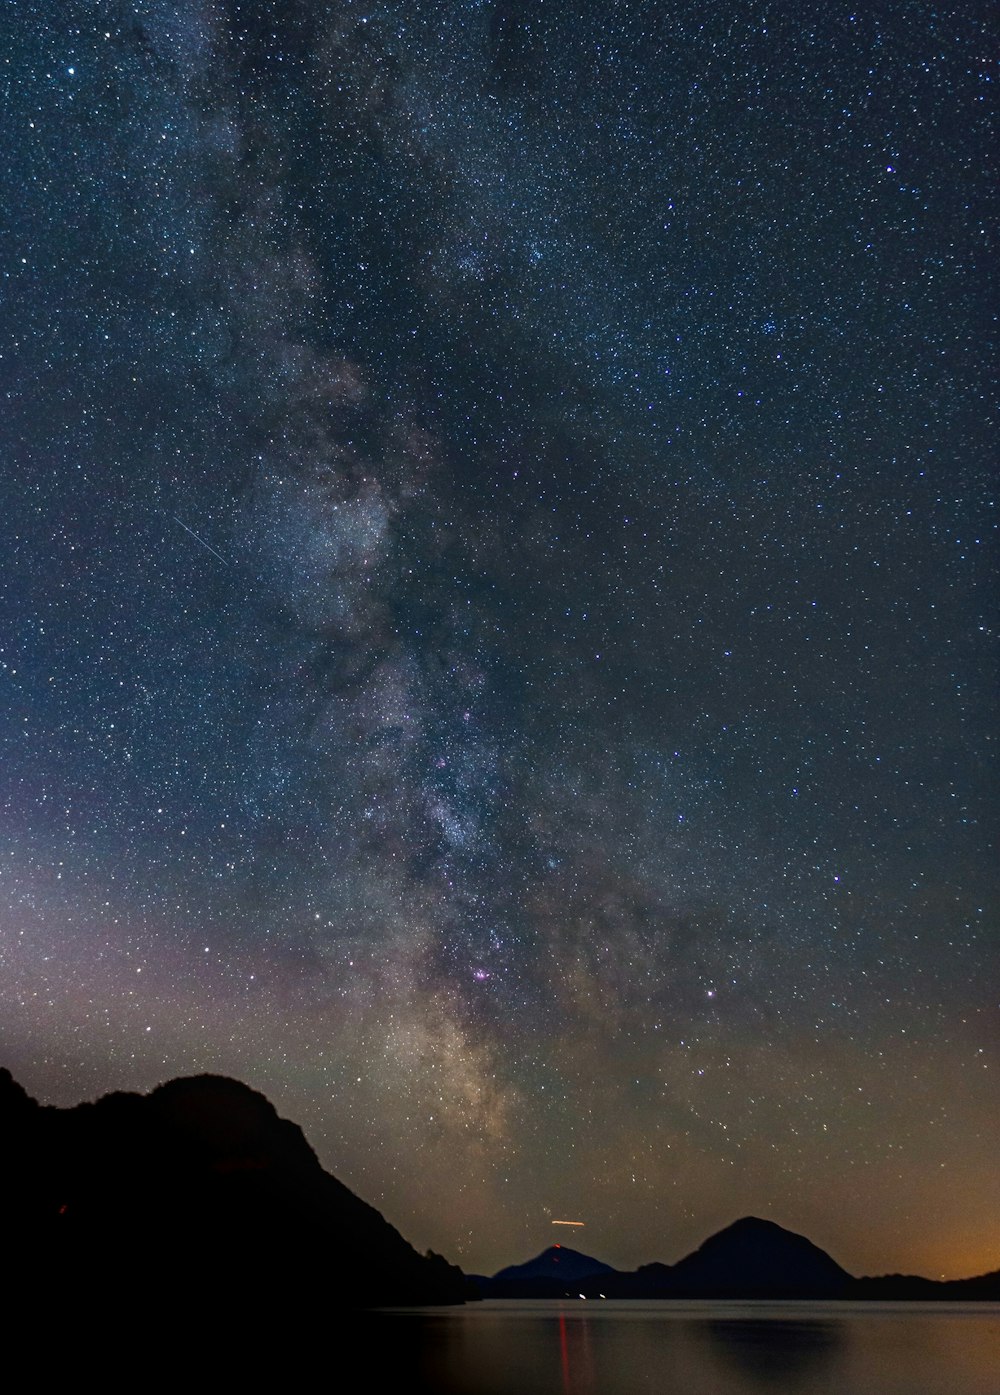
689	1348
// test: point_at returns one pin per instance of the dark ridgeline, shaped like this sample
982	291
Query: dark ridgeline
546	1276
196	1198
198	1204
983	1288
750	1259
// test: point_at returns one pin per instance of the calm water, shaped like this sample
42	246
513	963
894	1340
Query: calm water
594	1348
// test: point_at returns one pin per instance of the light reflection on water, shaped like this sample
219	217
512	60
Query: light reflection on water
593	1348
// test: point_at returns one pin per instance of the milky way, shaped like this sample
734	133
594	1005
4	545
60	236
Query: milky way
497	621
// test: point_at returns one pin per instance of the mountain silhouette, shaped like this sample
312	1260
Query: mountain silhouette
557	1262
554	1273
197	1192
750	1259
198	1199
758	1257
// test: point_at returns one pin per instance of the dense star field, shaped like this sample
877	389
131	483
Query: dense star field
498	636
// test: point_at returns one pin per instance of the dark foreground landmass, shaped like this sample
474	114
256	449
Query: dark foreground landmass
198	1197
198	1200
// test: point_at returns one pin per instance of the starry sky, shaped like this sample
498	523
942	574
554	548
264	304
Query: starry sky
497	607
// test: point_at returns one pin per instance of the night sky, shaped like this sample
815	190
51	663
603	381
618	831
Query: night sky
497	602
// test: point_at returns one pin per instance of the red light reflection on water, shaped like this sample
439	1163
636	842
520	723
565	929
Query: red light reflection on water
575	1357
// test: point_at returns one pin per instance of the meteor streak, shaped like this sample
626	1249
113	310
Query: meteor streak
569	1222
201	540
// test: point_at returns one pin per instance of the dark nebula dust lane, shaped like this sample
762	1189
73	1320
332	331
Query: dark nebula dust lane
497	615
